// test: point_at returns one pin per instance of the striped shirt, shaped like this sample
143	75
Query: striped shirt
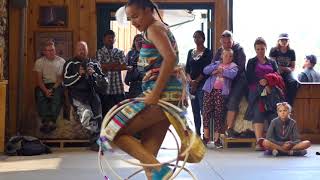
150	57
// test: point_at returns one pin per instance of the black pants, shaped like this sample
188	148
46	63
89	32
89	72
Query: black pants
291	87
108	101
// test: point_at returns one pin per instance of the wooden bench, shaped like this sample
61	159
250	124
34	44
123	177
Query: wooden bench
70	143
227	141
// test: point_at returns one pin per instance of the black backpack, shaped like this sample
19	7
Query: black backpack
26	146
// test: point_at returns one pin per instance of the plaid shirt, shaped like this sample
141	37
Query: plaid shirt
105	56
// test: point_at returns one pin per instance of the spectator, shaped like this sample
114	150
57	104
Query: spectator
239	87
309	74
197	59
135	74
112	61
49	92
216	90
283	135
257	68
285	58
79	74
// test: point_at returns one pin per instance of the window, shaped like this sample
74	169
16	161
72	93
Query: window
269	18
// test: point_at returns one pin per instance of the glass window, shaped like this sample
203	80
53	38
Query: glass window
269	18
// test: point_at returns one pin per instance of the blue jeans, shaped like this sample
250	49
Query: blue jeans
197	104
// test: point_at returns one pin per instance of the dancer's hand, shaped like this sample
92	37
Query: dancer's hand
152	99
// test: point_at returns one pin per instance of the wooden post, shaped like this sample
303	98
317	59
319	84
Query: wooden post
3	88
1	64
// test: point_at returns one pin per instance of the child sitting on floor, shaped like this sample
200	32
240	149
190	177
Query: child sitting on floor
283	136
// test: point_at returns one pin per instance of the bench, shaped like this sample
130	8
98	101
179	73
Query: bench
227	141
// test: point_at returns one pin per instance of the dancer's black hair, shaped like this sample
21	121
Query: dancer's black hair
146	4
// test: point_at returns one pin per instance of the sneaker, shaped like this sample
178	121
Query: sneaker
210	145
164	173
230	133
260	141
218	144
267	152
297	152
275	152
259	147
205	140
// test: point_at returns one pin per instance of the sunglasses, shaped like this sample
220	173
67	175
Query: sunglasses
282	103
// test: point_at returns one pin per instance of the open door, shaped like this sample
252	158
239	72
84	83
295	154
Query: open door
184	20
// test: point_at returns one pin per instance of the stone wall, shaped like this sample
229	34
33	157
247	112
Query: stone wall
4	35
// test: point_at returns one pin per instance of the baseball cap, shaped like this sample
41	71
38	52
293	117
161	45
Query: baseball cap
283	36
312	58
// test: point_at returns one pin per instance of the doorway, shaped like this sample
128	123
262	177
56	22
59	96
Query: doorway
184	20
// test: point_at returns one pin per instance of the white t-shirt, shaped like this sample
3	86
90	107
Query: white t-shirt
50	69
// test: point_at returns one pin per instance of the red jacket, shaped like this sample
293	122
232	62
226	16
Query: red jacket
274	79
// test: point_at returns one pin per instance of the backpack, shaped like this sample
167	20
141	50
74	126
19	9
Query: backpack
25	146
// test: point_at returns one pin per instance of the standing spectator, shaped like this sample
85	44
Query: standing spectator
197	59
285	58
239	87
135	74
309	74
283	135
216	91
49	92
79	74
112	61
257	68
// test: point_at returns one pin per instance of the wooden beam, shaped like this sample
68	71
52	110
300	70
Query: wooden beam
221	17
3	97
14	21
161	1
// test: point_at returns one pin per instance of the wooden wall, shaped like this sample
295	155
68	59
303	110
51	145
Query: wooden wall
82	24
306	111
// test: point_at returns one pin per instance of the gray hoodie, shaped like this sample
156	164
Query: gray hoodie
281	131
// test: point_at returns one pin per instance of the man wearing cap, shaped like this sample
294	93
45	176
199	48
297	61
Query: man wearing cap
285	58
309	74
239	84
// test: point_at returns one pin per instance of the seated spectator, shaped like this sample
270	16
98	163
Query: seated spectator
216	90
79	74
135	74
259	87
309	74
283	135
49	92
286	58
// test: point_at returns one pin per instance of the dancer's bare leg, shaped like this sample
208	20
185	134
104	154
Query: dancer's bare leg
152	139
151	117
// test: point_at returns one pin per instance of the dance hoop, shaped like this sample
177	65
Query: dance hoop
170	110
